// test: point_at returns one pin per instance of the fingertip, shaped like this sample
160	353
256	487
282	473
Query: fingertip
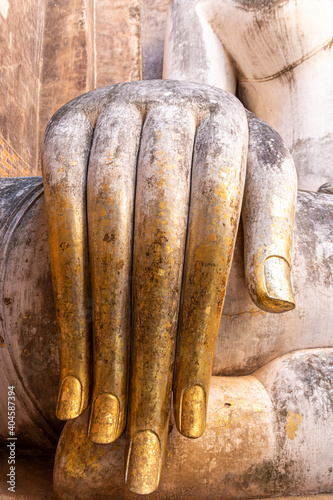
193	412
104	419
274	292
69	399
143	463
279	283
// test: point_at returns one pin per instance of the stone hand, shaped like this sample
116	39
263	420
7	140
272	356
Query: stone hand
123	202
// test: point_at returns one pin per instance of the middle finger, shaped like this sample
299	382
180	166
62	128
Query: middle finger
161	212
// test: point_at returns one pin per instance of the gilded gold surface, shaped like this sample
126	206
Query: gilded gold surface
144	462
110	195
162	196
69	261
278	283
293	422
104	419
219	173
268	219
158	206
193	412
69	400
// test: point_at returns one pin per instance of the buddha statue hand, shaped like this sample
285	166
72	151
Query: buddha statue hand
143	186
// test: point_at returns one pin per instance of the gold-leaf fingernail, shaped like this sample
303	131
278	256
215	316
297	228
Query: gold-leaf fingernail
69	399
104	419
193	412
144	462
278	283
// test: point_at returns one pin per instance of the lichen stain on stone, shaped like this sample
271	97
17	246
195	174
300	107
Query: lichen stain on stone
293	422
273	477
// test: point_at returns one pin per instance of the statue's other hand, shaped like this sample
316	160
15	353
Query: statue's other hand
149	176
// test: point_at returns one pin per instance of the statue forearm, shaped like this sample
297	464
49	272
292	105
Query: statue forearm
282	69
193	50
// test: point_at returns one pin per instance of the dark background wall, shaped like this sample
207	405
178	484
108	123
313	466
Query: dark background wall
54	50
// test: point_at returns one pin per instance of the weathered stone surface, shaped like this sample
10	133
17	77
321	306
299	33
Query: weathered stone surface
267	434
279	54
326	188
248	337
34	323
171	111
272	336
246	331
